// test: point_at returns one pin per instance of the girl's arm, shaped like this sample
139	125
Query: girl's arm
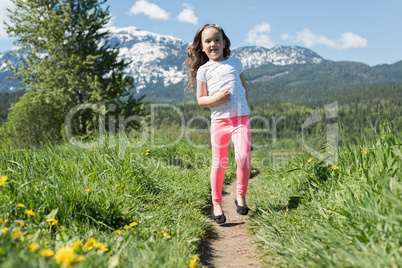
243	82
205	101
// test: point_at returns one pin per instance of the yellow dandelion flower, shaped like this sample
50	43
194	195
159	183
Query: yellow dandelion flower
118	231
21	223
165	234
364	152
20	205
90	244
3	180
5	229
283	179
192	264
98	245
64	255
196	258
79	258
126	227
360	169
133	224
146	153
186	155
311	159
159	147
30	212
29	236
46	252
335	167
77	244
33	247
148	150
228	173
86	190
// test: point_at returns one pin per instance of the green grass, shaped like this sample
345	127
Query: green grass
94	191
304	212
310	214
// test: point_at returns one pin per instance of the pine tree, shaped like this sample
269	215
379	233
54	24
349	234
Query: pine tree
68	62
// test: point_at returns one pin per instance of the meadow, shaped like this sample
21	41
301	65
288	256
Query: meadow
143	201
308	213
103	204
138	203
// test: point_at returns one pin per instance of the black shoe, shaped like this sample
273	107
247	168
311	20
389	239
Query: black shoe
218	219
241	210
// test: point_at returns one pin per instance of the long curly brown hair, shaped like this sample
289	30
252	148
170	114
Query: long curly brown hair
196	57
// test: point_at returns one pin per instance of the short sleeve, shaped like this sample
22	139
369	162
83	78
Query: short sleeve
201	74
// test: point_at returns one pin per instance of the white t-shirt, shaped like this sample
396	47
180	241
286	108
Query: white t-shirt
219	76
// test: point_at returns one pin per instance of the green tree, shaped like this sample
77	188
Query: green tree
68	62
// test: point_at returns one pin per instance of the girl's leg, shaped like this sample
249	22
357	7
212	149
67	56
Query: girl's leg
220	138
242	143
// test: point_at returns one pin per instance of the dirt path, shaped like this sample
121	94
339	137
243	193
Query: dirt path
229	245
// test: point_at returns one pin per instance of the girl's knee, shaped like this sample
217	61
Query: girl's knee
243	160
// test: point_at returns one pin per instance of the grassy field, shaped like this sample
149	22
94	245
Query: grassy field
135	204
140	203
310	214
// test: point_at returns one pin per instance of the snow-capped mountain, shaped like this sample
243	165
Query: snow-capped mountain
154	57
253	57
157	58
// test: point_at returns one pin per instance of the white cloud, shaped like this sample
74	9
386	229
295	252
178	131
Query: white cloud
259	35
149	9
187	15
4	17
309	39
352	40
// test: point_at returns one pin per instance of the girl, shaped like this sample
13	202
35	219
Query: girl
221	86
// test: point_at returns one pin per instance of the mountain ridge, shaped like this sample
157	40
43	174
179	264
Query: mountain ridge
156	66
157	58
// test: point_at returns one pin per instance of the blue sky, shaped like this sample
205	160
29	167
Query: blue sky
355	30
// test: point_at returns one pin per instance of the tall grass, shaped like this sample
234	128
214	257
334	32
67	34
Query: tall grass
143	204
310	214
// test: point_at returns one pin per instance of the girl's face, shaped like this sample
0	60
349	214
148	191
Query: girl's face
213	44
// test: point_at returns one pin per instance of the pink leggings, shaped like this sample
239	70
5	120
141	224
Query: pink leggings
221	130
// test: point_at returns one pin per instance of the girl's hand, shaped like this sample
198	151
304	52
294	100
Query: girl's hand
223	96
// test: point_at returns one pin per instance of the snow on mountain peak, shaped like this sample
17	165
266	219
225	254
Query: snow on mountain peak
154	57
